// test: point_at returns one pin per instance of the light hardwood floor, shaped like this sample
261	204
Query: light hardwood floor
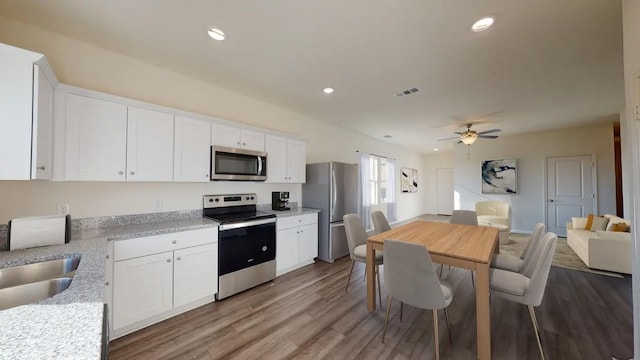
307	315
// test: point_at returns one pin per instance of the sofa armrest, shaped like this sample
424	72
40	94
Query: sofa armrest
610	252
569	225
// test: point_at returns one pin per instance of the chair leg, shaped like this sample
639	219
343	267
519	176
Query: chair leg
349	278
534	321
441	267
386	318
435	332
401	308
379	290
473	283
446	316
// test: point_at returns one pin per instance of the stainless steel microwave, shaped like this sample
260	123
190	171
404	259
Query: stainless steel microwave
238	164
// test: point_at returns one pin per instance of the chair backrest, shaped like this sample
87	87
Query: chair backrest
536	235
465	217
493	207
380	223
356	234
409	275
543	256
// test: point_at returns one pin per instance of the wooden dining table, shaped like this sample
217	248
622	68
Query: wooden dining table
466	246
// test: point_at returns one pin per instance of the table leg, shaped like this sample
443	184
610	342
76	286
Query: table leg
371	284
482	311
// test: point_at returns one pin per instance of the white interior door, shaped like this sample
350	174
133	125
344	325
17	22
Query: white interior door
444	191
571	190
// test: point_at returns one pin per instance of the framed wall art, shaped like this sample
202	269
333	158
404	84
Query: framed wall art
499	176
408	180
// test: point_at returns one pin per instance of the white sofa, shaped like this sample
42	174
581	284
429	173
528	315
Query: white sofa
602	249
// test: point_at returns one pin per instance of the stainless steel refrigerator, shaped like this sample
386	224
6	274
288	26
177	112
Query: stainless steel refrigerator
331	187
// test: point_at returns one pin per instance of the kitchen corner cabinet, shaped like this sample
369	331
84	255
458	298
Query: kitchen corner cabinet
192	150
297	242
26	110
108	141
235	137
157	277
285	160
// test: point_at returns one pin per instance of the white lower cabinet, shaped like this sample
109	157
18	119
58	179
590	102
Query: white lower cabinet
297	242
157	277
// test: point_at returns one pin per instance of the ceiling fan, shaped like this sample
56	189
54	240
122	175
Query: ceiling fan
469	136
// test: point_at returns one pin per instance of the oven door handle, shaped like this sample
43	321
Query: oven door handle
246	224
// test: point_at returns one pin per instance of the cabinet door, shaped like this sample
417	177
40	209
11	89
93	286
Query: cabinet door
42	137
296	161
96	139
252	140
286	249
308	242
149	145
192	150
195	273
142	288
276	148
223	135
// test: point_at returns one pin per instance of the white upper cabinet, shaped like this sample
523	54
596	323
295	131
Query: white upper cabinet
149	145
235	137
285	160
26	91
192	150
96	139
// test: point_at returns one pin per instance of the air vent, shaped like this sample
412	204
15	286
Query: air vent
406	92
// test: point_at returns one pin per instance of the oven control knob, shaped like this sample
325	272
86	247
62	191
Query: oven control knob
217	199
252	198
210	200
247	198
264	248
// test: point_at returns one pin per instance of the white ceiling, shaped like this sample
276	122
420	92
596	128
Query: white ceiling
544	64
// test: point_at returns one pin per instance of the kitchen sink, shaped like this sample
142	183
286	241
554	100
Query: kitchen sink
29	293
26	274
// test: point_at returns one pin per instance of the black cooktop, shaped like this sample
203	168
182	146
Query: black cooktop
236	214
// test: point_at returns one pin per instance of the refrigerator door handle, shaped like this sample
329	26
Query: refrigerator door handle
334	192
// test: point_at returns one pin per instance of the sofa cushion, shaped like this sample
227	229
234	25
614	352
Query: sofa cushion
599	223
615	220
612	235
579	223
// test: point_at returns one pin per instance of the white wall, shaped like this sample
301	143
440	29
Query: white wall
530	151
432	163
84	65
630	131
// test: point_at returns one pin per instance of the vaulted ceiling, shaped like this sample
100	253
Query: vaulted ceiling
544	64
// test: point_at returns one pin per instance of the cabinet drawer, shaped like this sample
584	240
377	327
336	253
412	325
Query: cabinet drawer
293	221
127	249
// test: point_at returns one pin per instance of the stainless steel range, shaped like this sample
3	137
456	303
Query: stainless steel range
246	242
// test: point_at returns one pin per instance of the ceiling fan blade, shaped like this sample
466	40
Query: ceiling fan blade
451	138
459	132
489	131
488	136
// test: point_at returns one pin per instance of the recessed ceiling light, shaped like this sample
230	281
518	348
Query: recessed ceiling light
327	90
216	34
482	24
436	149
388	136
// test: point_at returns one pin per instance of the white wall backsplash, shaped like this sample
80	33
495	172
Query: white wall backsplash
87	66
530	151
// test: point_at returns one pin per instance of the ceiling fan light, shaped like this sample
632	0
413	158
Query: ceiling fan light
468	139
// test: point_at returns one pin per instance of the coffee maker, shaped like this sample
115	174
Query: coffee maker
280	200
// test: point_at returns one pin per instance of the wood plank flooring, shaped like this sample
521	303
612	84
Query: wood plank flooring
307	315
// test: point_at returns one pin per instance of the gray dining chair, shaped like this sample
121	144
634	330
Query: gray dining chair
357	241
526	287
380	223
410	277
464	217
515	263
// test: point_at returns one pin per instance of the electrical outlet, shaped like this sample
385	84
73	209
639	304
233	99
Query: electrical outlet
63	209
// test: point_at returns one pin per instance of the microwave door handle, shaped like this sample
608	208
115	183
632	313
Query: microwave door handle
259	165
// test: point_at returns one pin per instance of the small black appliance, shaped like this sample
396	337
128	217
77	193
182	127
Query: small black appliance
280	200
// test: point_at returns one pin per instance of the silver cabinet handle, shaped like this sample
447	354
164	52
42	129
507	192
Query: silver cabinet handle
120	173
206	175
173	242
243	144
107	256
131	172
41	168
168	260
178	258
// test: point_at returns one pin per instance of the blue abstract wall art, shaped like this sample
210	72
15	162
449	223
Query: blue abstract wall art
499	176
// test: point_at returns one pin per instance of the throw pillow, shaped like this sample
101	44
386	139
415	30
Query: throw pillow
620	227
599	223
579	223
589	222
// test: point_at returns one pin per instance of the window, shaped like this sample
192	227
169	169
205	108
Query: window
378	180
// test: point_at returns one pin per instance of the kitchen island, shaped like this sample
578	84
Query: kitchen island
70	325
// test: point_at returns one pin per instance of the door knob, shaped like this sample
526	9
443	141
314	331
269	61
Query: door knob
551	200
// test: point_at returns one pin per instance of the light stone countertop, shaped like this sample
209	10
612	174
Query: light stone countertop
69	325
295	211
